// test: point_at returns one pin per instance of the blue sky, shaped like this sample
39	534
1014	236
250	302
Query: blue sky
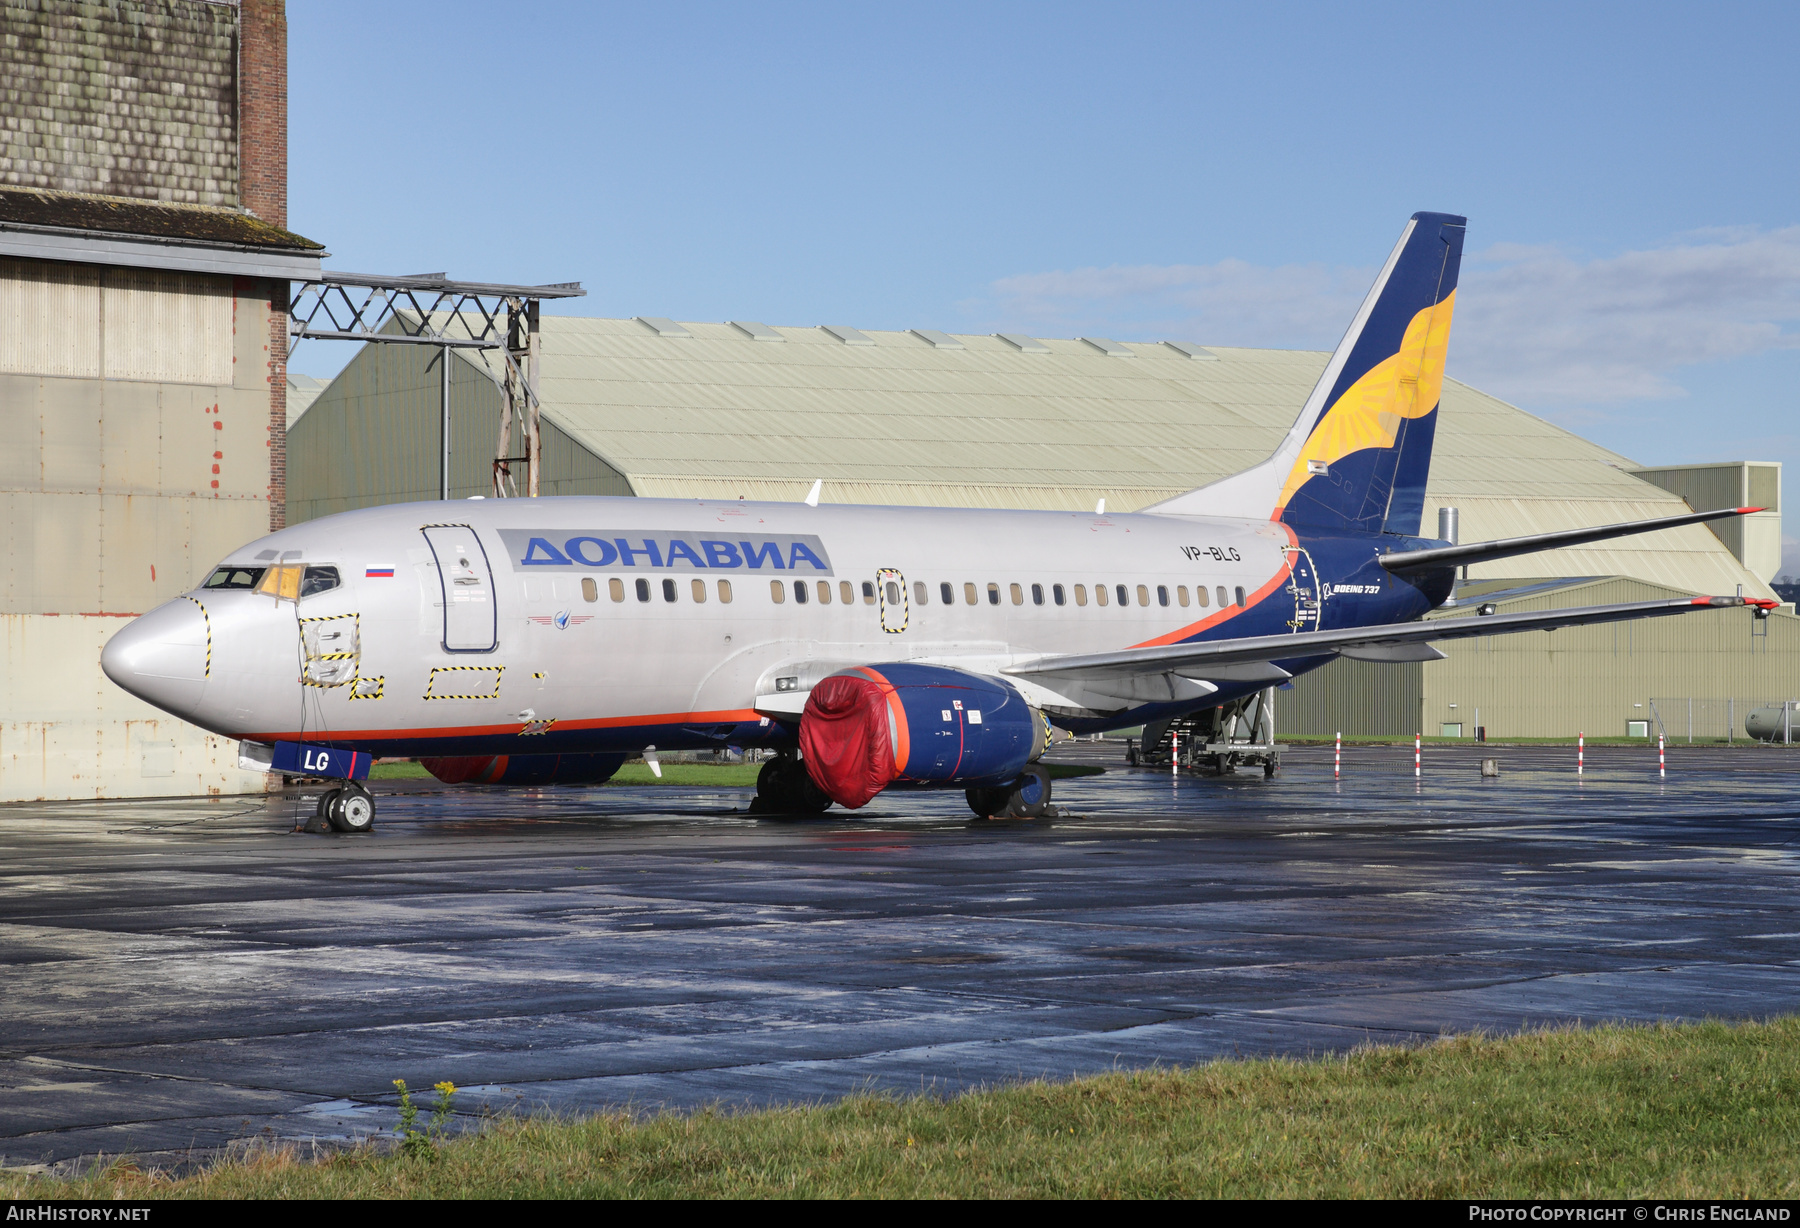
1224	174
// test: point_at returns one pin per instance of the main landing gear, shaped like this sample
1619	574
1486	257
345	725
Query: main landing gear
346	807
784	787
1028	797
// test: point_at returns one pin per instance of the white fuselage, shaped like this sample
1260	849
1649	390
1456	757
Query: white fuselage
577	660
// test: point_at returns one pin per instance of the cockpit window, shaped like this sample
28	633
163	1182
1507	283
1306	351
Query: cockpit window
318	580
234	577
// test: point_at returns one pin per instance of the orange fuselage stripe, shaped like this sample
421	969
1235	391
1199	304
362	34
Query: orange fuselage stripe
480	731
1213	620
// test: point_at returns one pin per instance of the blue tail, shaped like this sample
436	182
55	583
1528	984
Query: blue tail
1358	456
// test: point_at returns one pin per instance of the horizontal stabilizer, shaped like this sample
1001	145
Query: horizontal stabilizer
1216	659
1507	547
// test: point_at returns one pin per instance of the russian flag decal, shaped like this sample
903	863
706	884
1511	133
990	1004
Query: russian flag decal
385	573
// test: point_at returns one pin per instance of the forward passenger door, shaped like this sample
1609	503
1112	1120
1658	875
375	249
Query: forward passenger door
470	620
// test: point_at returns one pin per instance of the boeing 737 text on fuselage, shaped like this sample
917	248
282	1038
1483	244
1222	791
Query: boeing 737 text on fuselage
532	641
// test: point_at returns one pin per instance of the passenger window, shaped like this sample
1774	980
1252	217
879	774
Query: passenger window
616	587
847	592
1144	596
700	592
921	592
1223	599
993	593
668	590
1240	596
643	589
1056	592
1081	594
1200	595
893	594
1124	597
947	593
824	592
725	592
1162	594
1099	594
1018	594
1181	595
319	580
800	592
777	591
868	593
1037	594
590	591
969	593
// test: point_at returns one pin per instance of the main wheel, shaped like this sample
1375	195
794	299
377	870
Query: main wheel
1029	798
804	793
988	801
784	787
351	809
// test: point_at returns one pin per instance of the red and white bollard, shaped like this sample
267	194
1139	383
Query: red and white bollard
1337	758
1662	762
1580	752
1418	741
1174	754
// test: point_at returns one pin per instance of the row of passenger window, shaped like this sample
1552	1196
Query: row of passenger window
847	593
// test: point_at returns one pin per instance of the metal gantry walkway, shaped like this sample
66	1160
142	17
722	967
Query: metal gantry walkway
430	309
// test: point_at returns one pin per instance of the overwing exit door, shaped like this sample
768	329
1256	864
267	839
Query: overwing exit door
470	621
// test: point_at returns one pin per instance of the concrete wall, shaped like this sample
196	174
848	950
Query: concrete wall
136	415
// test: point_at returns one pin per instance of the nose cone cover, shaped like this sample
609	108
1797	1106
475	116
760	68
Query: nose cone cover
164	657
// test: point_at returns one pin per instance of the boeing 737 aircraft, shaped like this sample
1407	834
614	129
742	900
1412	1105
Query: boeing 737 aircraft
534	641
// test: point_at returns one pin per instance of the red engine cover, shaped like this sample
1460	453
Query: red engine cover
847	737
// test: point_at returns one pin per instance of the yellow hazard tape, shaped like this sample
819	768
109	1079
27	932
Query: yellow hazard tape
208	618
431	683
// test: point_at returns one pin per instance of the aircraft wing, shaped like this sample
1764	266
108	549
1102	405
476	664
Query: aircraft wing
1510	547
1251	659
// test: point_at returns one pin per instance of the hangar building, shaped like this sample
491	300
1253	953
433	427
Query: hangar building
144	274
651	407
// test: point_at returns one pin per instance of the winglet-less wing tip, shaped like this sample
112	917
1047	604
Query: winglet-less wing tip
1761	603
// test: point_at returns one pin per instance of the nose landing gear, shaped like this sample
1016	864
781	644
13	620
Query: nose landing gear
348	808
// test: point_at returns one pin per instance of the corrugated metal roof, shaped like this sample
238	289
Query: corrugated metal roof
302	391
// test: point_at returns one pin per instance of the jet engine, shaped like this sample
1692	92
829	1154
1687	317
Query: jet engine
524	769
866	728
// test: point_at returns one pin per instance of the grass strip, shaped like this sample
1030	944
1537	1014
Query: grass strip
1690	1111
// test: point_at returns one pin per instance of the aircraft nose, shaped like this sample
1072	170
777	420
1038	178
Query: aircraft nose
163	657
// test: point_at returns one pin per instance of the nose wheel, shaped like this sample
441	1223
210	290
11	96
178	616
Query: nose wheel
349	808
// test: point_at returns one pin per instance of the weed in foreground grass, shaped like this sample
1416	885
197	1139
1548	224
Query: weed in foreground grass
1695	1111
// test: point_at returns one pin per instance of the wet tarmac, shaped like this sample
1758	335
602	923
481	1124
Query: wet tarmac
180	975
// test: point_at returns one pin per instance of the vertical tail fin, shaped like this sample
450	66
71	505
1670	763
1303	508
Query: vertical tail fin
1358	455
